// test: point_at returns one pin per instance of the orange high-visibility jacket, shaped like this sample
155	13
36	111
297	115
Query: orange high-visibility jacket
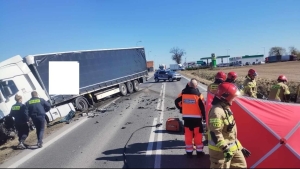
191	101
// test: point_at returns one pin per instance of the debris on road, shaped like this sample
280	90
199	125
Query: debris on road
128	123
128	106
101	110
123	127
141	107
96	122
171	108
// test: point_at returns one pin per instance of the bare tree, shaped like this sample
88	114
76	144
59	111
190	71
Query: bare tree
277	51
177	54
293	50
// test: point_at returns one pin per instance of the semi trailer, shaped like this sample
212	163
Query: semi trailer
102	73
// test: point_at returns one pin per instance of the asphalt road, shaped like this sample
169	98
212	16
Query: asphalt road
99	142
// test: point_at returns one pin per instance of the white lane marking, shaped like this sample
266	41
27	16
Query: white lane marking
152	134
152	137
198	84
158	153
159	99
33	153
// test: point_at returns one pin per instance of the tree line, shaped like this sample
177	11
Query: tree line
177	53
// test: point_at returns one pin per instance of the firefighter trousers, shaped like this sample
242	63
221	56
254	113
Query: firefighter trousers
191	133
217	160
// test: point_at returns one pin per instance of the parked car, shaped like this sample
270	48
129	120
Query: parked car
166	75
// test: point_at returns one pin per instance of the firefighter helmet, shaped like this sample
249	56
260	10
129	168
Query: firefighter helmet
282	78
232	76
227	92
252	73
220	75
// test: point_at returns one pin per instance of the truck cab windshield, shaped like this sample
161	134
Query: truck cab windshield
8	89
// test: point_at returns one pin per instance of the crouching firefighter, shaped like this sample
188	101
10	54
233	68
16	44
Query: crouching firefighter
225	150
20	114
193	110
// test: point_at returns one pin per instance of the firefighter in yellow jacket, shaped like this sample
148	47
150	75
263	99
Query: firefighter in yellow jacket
250	88
280	92
225	150
220	77
193	112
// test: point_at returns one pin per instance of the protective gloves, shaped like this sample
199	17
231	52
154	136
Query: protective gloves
227	155
246	152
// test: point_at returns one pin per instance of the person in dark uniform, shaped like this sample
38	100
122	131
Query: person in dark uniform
37	108
19	113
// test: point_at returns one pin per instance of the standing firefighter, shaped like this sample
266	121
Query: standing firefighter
225	150
250	88
280	91
192	112
20	114
219	78
37	108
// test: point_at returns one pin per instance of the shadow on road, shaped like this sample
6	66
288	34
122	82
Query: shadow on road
173	156
170	132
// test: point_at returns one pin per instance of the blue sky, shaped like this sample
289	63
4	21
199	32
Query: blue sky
200	27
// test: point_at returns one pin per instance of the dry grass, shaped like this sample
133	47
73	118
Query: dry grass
268	74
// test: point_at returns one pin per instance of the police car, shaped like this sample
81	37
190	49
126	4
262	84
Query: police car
166	75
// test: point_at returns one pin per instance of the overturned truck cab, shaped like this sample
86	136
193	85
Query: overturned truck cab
102	73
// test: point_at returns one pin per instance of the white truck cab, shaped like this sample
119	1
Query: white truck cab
17	78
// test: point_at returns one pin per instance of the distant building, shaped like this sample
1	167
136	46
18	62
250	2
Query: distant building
252	59
150	66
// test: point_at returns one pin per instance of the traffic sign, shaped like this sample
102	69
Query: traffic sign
200	62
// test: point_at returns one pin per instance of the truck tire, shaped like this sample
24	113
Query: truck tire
136	85
81	104
123	89
129	87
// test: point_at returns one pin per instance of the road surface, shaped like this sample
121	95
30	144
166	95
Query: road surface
99	142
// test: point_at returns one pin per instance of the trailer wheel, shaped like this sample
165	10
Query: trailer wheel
135	85
129	87
81	104
123	89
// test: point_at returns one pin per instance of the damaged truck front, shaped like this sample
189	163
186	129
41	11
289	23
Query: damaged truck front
102	73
